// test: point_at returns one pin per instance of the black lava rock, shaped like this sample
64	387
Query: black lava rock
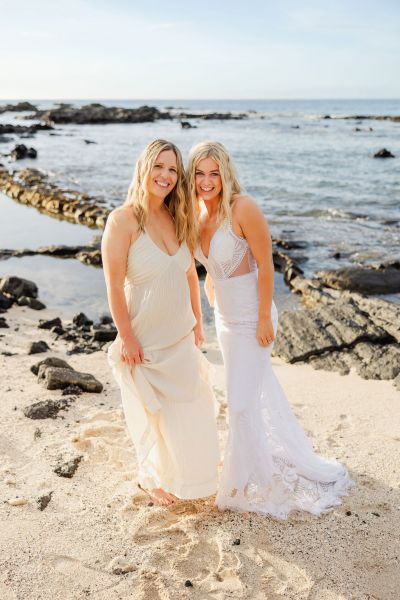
50	324
67	468
38	347
383	154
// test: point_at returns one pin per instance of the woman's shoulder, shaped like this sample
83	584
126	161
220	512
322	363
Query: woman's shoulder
123	219
122	222
244	205
242	201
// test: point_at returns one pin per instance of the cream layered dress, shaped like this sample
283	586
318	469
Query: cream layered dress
168	400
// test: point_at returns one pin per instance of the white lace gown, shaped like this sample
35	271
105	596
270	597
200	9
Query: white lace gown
270	466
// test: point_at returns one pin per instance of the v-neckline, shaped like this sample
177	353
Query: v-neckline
209	246
158	247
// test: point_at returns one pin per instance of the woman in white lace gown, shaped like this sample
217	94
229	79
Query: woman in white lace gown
154	298
270	466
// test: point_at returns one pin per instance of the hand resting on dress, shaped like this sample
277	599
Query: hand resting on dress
265	331
132	352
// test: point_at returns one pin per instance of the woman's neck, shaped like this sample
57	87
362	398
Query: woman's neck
211	208
156	205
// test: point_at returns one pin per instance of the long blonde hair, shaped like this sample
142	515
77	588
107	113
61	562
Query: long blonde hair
229	180
178	201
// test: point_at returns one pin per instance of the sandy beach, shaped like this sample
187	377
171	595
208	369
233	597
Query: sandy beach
305	101
98	537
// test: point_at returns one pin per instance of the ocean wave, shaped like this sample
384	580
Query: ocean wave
331	213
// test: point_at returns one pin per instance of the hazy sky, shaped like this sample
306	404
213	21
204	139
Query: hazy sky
206	49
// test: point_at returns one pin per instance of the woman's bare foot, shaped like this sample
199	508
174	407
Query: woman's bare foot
159	496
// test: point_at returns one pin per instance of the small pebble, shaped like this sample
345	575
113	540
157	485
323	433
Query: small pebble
43	501
236	542
348	513
376	514
18	501
188	583
120	566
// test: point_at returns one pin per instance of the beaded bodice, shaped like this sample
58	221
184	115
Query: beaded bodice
229	255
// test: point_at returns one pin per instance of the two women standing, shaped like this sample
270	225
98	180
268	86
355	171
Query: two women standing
148	247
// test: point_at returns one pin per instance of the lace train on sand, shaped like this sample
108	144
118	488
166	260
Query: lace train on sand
270	466
258	476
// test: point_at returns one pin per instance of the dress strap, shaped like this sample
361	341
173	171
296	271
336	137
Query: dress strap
238	237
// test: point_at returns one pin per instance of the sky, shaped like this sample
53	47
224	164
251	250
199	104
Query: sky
160	49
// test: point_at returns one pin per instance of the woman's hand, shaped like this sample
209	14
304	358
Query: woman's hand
265	331
132	352
198	333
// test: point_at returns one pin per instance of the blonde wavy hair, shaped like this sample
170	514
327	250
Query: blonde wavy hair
229	180
178	201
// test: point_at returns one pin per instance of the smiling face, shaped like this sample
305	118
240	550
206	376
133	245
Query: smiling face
208	180
164	174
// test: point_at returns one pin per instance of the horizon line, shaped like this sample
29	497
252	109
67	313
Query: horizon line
27	99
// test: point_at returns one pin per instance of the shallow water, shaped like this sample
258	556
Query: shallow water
317	183
320	182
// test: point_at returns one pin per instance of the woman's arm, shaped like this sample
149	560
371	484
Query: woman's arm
194	288
209	289
114	249
255	229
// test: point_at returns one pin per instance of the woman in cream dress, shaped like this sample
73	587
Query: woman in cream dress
154	299
270	466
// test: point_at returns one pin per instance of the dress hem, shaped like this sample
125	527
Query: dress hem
184	492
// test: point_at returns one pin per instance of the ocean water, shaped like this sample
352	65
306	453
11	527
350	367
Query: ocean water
315	179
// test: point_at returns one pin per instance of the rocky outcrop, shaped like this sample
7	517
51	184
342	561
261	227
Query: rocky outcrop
45	409
383	153
21	151
99	114
340	331
88	255
212	116
32	187
20	291
285	264
19	107
50	361
96	113
371	279
23	130
58	378
16	287
56	374
394	118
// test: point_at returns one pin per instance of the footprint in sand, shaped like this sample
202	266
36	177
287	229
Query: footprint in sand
78	571
280	578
